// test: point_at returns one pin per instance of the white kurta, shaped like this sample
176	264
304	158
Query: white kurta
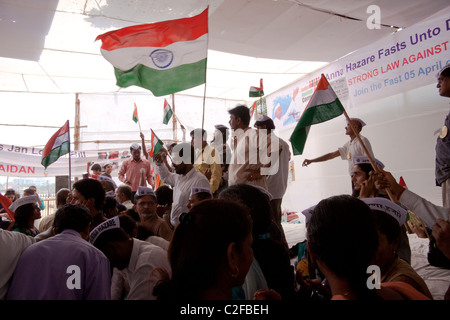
182	185
354	148
145	257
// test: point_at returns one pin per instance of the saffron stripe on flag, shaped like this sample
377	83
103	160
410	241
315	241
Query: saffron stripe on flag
180	53
158	34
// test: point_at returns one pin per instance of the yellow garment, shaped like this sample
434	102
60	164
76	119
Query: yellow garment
206	159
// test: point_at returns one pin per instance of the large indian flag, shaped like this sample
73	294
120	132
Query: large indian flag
324	105
164	57
57	146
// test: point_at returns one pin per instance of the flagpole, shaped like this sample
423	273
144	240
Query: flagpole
174	120
372	162
70	163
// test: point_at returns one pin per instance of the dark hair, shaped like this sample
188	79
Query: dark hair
126	190
366	168
268	248
112	235
28	192
128	224
10	191
199	247
164	195
446	72
196	133
91	188
242	112
203	196
110	203
349	220
387	225
256	201
96	167
61	197
22	216
72	216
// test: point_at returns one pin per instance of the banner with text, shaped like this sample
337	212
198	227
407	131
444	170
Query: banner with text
19	161
404	60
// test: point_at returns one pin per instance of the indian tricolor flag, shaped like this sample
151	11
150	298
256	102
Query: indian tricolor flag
57	146
257	91
324	105
164	57
156	144
135	114
167	112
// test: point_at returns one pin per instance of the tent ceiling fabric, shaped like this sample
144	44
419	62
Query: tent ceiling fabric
48	45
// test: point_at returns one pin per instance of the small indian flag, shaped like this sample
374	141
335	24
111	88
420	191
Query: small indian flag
156	144
257	91
57	146
163	57
324	105
167	112
135	114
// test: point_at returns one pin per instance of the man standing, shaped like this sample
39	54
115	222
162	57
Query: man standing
65	266
349	149
207	159
184	178
442	171
278	175
245	165
130	172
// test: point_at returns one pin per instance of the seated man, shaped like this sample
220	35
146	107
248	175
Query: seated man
198	194
138	259
65	266
145	205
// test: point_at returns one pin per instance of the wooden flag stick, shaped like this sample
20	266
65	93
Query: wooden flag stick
372	162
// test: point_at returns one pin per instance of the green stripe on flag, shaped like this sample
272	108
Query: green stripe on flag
313	115
165	81
56	153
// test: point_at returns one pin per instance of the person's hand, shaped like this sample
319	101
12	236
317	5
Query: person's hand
159	157
306	162
385	180
368	189
142	135
441	232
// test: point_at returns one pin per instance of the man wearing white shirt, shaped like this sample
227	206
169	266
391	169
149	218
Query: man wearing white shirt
350	149
184	178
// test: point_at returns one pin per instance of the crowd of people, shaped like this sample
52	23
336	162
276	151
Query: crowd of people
213	230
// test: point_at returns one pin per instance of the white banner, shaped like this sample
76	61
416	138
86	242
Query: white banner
19	161
403	61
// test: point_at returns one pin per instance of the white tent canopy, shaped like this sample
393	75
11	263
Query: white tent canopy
48	45
48	54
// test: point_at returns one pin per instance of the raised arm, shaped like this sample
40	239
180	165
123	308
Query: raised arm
325	157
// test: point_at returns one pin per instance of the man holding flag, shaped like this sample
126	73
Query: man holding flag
324	105
130	171
350	149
